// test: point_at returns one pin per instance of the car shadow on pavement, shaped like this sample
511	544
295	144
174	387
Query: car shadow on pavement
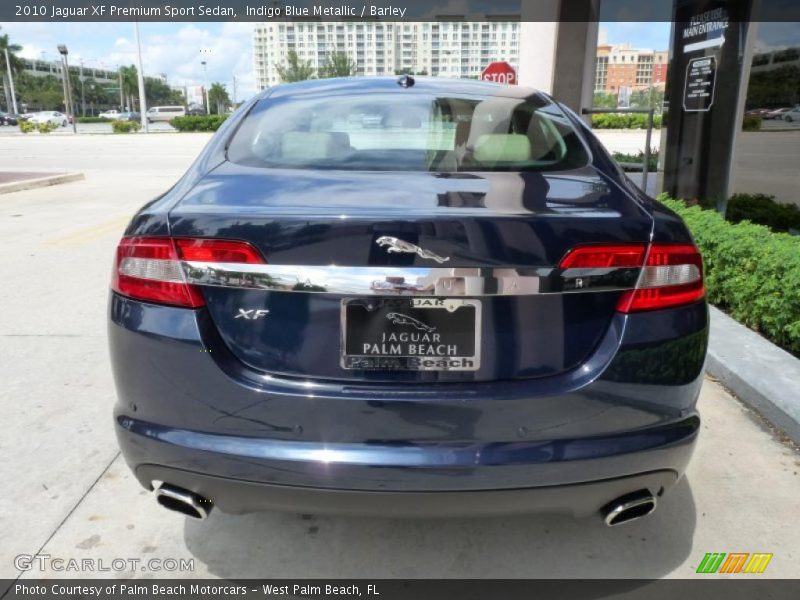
274	545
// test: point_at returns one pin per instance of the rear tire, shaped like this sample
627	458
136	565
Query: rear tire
788	119
63	123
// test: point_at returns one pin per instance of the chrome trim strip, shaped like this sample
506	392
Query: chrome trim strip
408	281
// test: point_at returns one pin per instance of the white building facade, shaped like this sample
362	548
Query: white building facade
438	48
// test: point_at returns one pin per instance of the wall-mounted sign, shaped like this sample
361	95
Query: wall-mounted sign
706	30
698	92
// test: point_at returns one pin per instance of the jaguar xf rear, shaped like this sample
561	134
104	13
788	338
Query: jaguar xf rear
407	298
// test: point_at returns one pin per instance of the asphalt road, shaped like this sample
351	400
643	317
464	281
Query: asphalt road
68	494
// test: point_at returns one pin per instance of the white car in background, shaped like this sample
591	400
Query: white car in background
793	114
49	116
111	115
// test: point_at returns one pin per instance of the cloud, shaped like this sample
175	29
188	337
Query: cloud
121	41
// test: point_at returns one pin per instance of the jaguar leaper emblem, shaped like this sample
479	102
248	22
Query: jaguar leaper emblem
393	244
400	319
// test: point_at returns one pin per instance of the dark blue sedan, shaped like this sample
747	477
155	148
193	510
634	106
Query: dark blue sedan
407	297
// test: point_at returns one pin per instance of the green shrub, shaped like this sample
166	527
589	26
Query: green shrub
751	123
623	121
46	127
26	127
118	126
91	120
763	210
198	122
621	157
751	272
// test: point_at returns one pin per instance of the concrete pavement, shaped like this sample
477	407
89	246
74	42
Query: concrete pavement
69	494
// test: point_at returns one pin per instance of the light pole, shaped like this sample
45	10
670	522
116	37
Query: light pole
205	87
11	81
142	98
83	92
62	50
121	97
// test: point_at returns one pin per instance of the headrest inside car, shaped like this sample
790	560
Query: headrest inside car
303	146
501	147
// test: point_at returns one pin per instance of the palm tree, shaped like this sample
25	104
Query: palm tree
14	60
294	69
218	97
337	64
130	85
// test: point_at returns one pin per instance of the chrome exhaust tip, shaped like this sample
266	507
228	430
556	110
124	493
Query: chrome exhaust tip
629	507
183	501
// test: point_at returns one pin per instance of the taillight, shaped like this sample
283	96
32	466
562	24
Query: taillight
224	251
604	256
672	276
149	268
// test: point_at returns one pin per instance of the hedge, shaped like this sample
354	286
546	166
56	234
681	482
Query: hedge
119	126
763	210
623	121
622	157
751	123
751	273
198	122
91	120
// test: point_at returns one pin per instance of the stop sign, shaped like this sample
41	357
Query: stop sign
500	72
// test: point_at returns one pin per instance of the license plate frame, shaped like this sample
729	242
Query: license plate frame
415	323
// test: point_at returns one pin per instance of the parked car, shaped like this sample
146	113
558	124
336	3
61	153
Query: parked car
776	114
49	116
485	317
164	113
793	114
129	116
195	110
9	118
110	115
757	112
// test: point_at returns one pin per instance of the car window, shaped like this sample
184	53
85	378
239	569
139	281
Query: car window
414	131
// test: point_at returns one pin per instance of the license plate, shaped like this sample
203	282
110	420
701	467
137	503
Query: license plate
411	334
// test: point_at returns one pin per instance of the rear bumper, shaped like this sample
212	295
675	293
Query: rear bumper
238	497
187	409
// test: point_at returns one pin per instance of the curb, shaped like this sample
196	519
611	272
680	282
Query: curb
761	374
29	184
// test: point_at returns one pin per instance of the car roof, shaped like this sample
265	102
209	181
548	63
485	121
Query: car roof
430	85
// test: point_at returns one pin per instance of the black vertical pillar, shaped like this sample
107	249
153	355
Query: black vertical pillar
707	50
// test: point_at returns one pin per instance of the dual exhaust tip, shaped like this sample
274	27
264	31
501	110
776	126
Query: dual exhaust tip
629	507
183	501
624	509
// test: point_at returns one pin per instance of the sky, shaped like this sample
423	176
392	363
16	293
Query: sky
175	48
170	48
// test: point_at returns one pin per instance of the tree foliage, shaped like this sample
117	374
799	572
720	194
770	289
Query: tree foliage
13	59
337	64
294	69
776	88
604	100
652	97
218	98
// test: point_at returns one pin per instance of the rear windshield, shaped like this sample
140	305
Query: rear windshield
408	132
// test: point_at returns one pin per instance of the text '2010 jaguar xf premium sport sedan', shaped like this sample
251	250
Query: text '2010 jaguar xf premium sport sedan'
407	297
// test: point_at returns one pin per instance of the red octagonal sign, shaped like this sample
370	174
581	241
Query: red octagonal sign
500	72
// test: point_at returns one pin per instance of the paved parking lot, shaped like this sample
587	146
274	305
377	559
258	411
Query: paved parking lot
69	495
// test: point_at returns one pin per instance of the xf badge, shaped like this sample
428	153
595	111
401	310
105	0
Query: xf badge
252	314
